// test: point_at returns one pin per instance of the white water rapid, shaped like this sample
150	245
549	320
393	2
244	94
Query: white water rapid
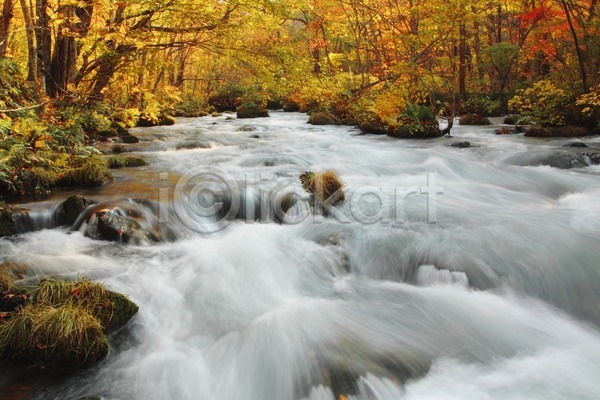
482	283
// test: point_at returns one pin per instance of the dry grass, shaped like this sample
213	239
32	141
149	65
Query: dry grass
56	336
6	281
326	186
92	296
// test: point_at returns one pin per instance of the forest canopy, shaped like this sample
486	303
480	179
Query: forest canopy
385	65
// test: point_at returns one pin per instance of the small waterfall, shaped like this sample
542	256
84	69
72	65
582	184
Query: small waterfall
428	275
38	219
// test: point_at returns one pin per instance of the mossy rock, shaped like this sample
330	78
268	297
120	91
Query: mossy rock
327	187
120	129
129	139
323	118
64	336
115	162
118	149
563	131
251	110
473	119
7	222
510	120
71	208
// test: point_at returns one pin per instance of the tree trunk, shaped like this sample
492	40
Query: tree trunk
31	46
582	73
44	42
462	62
63	67
5	18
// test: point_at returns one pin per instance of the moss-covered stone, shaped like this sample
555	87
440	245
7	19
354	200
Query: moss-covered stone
62	324
473	119
7	222
251	110
129	139
122	161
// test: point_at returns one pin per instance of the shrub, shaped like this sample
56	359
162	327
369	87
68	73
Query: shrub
543	102
473	119
251	110
482	105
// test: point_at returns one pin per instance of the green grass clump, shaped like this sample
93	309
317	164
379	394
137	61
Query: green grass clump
55	336
93	172
324	185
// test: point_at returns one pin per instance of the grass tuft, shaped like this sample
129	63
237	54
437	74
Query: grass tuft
326	186
93	172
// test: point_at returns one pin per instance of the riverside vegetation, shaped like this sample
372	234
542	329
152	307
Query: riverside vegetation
75	75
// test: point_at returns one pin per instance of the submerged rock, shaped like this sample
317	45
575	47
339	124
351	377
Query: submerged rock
191	144
461	145
554	158
575	144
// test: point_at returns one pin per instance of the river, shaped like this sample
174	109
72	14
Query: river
447	273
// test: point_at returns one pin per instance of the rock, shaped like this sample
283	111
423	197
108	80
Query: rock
323	118
563	131
190	145
510	120
593	157
246	128
575	144
372	128
146	122
473	119
120	129
124	221
255	136
118	149
63	323
109	133
251	110
70	209
129	139
561	159
291	106
166	120
461	145
7	222
506	131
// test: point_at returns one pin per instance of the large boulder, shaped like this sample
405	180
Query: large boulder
425	129
124	221
323	118
7	222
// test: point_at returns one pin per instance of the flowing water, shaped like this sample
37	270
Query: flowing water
446	274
